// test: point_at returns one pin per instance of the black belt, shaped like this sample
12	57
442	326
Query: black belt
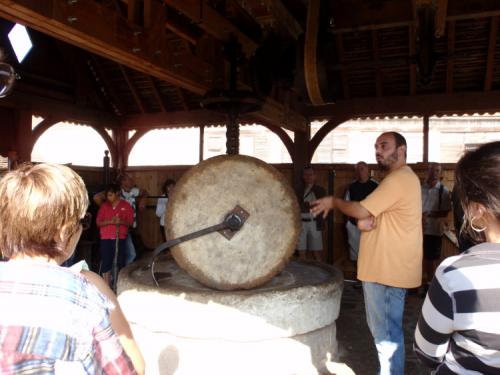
307	219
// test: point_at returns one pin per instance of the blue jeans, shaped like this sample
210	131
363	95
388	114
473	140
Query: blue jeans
384	315
129	250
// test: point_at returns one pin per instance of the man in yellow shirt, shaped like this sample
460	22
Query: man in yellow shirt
390	255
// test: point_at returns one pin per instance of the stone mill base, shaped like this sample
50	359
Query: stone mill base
286	326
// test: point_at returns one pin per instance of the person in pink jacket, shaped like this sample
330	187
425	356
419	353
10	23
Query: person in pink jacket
114	218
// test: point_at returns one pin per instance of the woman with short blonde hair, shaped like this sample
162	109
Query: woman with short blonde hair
40	206
54	319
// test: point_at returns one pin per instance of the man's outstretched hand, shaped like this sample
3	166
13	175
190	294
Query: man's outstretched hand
322	206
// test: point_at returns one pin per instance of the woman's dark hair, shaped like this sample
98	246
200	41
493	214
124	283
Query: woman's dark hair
477	180
166	184
113	188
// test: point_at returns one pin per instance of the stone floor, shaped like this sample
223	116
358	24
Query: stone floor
355	342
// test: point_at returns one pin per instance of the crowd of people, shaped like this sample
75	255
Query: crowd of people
394	233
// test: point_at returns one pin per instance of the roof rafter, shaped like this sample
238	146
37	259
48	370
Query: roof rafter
376	58
490	62
157	94
451	62
132	88
212	22
94	27
105	32
344	73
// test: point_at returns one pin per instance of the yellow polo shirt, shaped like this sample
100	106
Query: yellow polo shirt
391	254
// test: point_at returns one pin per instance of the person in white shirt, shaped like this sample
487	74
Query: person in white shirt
436	203
136	198
161	205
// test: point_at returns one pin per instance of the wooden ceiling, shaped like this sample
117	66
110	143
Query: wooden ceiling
149	63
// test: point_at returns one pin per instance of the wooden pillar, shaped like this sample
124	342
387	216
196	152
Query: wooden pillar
300	156
16	136
24	135
7	131
202	141
426	138
232	134
120	136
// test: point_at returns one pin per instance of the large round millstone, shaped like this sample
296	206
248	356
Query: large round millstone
286	326
260	249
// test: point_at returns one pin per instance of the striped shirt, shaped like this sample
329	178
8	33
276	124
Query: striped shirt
53	321
458	331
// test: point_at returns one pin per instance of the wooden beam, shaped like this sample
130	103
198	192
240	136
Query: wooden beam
181	31
183	99
451	62
362	15
426	138
131	86
413	67
369	27
440	20
344	73
310	53
67	110
478	15
173	119
132	11
212	22
108	87
285	18
418	105
276	114
490	61
177	24
376	58
157	94
283	136
101	30
202	143
396	18
149	10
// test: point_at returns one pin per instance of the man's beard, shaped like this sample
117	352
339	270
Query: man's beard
389	161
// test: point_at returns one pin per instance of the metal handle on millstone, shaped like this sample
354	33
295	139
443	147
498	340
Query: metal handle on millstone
232	223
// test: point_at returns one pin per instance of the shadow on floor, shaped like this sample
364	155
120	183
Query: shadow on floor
356	347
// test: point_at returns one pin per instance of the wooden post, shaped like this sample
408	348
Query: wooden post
330	220
232	134
105	165
426	138
122	152
202	141
300	156
24	135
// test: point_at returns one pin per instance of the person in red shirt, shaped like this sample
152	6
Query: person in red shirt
114	218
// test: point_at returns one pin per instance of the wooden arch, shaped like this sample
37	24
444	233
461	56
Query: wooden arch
109	142
283	136
131	143
44	125
50	121
323	132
